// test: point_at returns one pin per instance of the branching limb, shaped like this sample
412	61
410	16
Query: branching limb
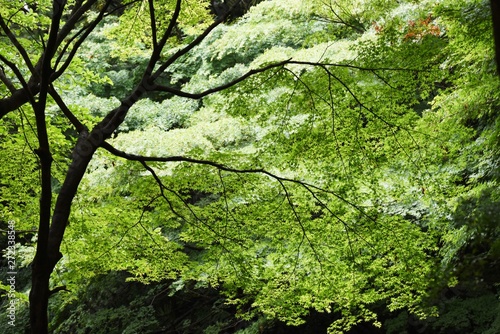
340	20
158	45
186	49
281	180
152	18
191	211
17	45
64	108
392	127
218	88
6	81
354	96
224	195
75	17
299	221
84	32
25	90
309	187
282	64
138	223
361	68
57	289
76	6
17	99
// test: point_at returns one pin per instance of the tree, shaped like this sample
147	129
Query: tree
69	24
260	212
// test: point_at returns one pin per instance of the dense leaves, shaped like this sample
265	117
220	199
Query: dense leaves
357	177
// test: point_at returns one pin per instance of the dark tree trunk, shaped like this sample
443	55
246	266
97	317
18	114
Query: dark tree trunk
42	264
41	269
48	247
39	296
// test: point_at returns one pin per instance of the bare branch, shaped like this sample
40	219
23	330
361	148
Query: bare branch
356	98
85	32
152	18
18	45
340	20
76	6
218	88
6	81
139	222
371	69
17	99
186	49
26	89
57	289
309	188
299	221
191	211
275	65
306	185
171	25
76	15
64	108
158	46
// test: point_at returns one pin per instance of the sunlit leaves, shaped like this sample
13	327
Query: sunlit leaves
135	23
19	171
351	177
280	246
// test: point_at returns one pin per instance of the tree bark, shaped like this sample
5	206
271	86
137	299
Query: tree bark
48	250
15	100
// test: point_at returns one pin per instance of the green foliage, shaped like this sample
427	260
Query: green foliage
380	142
223	54
19	185
473	315
113	310
168	115
130	307
133	33
378	253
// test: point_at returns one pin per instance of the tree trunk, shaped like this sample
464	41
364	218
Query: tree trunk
48	246
39	296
